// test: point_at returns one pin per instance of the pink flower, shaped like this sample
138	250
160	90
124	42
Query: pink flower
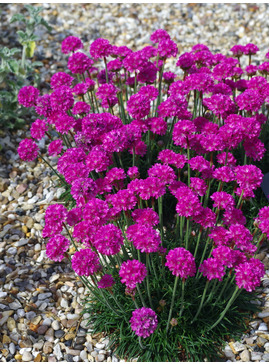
106	281
181	263
62	99
74	216
28	150
55	147
85	262
108	239
81	107
145	216
188	203
132	272
96	212
100	48
133	172
157	125
108	94
159	35
198	185
144	322
233	216
82	190
54	219
144	237
38	129
28	95
248	275
71	44
79	63
167	156
225	255
220	236
61	79
264	220
56	247
167	48
165	173
222	200
212	268
183	132
138	106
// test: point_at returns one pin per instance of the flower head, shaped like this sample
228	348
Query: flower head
71	44
56	247
28	150
132	272
106	281
85	262
28	95
144	322
181	263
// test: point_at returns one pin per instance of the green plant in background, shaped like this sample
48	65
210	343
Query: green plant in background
17	66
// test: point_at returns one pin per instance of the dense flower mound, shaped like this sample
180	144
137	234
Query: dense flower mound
158	168
144	322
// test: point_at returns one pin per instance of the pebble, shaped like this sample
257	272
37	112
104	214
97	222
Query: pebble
57	352
83	355
59	333
42	329
12	348
27	356
245	355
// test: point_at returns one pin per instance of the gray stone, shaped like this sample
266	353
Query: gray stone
245	355
100	357
263	327
83	355
255	356
47	321
263	314
59	333
265	357
56	325
43	296
12	348
227	352
57	352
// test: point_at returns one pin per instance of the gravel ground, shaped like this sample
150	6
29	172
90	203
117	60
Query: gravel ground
40	301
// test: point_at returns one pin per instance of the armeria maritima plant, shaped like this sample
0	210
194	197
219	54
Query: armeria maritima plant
160	170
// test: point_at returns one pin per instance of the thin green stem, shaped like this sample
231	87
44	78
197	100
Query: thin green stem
172	303
201	303
147	280
232	299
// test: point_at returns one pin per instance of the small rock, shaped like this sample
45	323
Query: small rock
263	327
15	305
83	355
6	339
69	358
245	355
47	348
227	352
64	303
52	359
263	314
36	320
59	333
12	348
238	346
11	324
46	321
100	346
255	356
43	296
49	336
27	356
57	352
56	325
36	276
38	345
265	357
21	312
42	329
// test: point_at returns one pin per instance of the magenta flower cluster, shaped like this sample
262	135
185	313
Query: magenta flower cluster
148	156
